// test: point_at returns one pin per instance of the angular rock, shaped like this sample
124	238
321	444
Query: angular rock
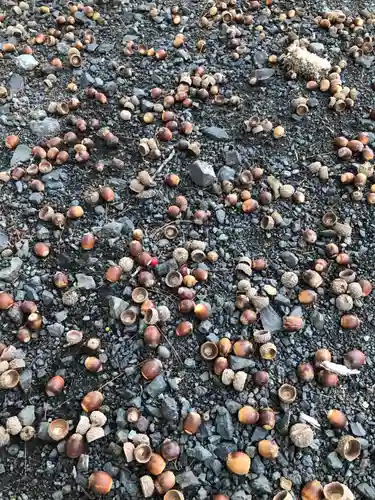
224	423
45	128
27	415
10	273
226	174
261	484
187	479
271	321
156	387
21	154
169	409
116	306
216	133
111	230
237	363
333	461
367	491
202	173
263	74
16	84
4	240
199	453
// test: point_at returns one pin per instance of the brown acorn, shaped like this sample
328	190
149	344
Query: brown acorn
100	482
238	463
165	482
260	378
349	321
267	419
268	449
337	419
248	415
92	401
192	422
6	301
202	311
75	212
248	317
152	336
313	490
41	249
93	364
220	364
243	348
305	372
113	274
322	355
75	446
354	359
292	323
55	385
88	241
170	450
225	346
60	280
156	464
328	379
151	368
184	328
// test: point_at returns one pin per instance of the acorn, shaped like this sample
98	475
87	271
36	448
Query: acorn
41	249
12	141
349	321
113	274
173	495
292	323
93	364
267	419
192	423
75	446
307	297
305	372
354	359
164	134
268	449
287	393
75	212
220	364
107	193
172	180
6	301
322	355
366	287
34	321
165	482
55	385
343	259
60	280
92	401
337	419
238	463
248	317
100	482
243	348
202	311
260	378
24	335
28	307
184	328
209	350
151	368
156	464
328	379
313	490
88	241
248	415
170	450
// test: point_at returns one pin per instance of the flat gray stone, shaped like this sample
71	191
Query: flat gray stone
156	387
187	479
224	423
86	282
16	84
216	133
26	62
21	154
317	48
333	461
45	128
367	491
238	363
202	173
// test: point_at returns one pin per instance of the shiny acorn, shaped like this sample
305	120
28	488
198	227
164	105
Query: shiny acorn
238	462
100	482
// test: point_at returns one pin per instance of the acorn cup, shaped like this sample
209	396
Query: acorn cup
349	448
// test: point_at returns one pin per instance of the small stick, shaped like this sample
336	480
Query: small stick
167	160
169	342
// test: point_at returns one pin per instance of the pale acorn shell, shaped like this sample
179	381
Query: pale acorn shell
239	381
180	255
126	264
147	486
227	376
301	435
289	279
83	425
13	425
94	433
98	419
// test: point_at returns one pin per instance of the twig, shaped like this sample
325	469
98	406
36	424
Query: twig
169	342
167	160
25	470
